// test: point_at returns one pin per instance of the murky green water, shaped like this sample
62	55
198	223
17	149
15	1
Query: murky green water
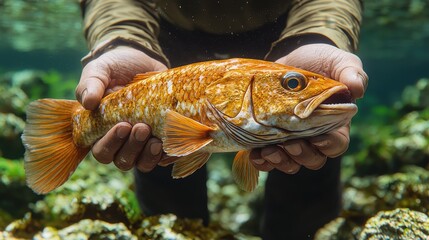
46	38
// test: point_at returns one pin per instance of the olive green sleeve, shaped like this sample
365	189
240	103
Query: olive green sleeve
109	23
320	21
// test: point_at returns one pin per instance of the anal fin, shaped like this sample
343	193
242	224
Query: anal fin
187	165
244	173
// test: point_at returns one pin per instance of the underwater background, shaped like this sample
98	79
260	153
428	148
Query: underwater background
385	172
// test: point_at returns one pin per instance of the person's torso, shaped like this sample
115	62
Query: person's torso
221	16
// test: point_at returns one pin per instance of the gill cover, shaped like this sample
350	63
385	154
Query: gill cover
227	94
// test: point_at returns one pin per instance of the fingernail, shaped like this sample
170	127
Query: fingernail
364	81
274	157
321	143
84	93
293	149
258	161
122	132
155	148
140	135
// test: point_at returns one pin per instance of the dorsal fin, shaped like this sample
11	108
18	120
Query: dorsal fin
142	76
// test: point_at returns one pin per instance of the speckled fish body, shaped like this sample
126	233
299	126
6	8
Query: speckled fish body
216	106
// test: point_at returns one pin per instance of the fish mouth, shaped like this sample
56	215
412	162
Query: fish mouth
336	100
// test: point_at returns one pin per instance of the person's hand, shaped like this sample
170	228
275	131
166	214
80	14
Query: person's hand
126	145
313	152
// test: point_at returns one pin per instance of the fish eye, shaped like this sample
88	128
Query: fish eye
293	81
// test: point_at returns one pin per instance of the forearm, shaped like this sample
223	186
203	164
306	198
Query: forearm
320	21
108	23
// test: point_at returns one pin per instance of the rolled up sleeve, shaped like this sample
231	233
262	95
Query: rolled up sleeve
327	21
109	23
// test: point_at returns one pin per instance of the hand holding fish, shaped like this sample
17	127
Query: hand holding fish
312	153
124	144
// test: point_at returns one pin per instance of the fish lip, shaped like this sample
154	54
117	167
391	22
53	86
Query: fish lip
305	108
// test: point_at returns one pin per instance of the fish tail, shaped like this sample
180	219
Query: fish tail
51	155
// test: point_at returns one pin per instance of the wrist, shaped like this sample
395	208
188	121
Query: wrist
287	45
119	42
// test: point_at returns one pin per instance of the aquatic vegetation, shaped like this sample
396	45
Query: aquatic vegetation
389	173
24	25
398	139
99	197
229	206
14	190
16	91
405	189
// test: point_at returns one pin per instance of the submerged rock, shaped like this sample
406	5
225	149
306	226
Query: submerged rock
98	203
338	229
364	196
400	223
88	229
173	228
94	191
397	224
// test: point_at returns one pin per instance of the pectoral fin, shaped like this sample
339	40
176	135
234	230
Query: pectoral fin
244	173
142	76
184	135
187	165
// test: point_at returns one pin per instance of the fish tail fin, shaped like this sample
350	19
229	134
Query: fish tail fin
51	155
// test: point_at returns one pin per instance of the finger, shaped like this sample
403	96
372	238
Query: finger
167	160
332	144
150	156
265	166
255	156
105	149
332	62
279	159
126	157
355	79
346	68
258	162
273	154
93	82
288	166
305	154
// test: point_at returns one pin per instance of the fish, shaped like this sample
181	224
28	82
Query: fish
232	105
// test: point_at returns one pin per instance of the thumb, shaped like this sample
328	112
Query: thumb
332	62
92	85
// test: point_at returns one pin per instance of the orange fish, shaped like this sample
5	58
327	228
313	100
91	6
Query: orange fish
198	109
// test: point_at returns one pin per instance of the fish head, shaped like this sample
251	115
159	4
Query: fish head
299	102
